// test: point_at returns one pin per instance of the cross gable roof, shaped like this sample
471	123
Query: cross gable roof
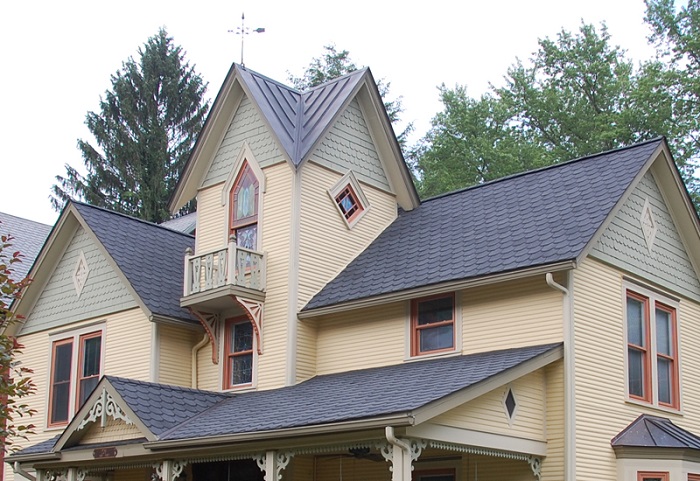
538	218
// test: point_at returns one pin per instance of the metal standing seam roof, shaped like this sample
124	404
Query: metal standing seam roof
185	224
29	237
150	256
299	118
526	220
657	432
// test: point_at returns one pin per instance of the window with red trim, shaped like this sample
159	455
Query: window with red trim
693	477
652	351
348	203
243	208
433	324
238	347
73	374
652	476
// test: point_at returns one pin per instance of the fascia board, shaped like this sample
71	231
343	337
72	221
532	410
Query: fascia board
463	396
441	288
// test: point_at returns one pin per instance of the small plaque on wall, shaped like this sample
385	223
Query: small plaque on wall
100	453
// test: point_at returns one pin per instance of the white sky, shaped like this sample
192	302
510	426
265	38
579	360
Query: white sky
58	57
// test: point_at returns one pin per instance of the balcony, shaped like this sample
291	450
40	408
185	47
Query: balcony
212	277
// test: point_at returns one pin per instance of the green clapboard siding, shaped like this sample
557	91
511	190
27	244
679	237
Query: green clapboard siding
102	294
348	145
247	125
623	244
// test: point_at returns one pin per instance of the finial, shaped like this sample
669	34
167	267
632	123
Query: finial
243	31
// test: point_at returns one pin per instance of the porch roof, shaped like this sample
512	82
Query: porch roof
656	432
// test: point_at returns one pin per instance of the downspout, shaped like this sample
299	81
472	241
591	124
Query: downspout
398	473
195	350
569	377
16	468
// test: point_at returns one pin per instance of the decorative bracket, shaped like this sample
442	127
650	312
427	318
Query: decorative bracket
210	322
81	474
417	447
536	465
272	463
168	470
254	313
104	406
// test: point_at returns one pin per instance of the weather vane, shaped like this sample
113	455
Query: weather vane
243	31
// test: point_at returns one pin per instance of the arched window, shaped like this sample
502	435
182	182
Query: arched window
243	205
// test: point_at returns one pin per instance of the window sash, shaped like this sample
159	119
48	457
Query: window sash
638	338
89	365
433	330
61	373
239	353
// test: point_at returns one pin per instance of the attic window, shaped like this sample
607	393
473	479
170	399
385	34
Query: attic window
510	404
80	274
349	199
649	225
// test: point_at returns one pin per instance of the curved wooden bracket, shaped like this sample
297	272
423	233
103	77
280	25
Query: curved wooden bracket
254	313
210	322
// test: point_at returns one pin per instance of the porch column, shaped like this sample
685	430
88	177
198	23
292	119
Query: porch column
272	463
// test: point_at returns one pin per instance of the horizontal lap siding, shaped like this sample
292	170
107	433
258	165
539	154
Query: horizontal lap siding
174	357
326	245
115	430
553	463
488	414
362	338
211	220
513	314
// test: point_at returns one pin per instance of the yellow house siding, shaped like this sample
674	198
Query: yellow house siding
488	414
127	354
553	463
174	356
138	474
513	314
115	430
362	338
322	230
207	372
211	220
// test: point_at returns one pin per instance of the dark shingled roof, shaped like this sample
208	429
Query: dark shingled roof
28	235
42	447
161	407
352	395
531	219
299	118
150	256
653	431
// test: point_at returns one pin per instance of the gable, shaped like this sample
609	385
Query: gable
659	255
60	303
348	145
247	125
113	430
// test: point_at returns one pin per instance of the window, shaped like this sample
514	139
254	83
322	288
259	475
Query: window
432	325
76	365
238	346
349	199
652	350
652	476
243	205
348	203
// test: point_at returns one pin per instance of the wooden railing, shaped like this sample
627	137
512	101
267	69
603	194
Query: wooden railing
232	265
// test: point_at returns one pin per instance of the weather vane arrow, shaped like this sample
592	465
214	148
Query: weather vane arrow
243	31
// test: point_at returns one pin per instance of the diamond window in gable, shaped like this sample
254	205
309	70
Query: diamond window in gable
349	199
510	404
80	274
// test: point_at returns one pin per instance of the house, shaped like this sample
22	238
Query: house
326	324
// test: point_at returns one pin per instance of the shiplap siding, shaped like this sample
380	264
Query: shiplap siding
247	125
127	354
212	220
175	359
59	304
322	231
348	145
362	338
513	314
208	373
623	244
137	474
488	414
601	407
553	464
333	467
474	467
115	430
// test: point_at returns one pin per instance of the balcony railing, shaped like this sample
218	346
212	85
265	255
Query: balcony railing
232	265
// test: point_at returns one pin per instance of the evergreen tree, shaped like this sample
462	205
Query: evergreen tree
144	131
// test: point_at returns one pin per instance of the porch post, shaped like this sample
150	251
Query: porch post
72	474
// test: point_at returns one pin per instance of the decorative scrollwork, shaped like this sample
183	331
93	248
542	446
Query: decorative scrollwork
104	406
282	459
157	472
57	475
536	465
417	447
210	323
260	461
176	468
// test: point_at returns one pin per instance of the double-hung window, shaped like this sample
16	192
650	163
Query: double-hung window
433	324
238	347
652	349
76	366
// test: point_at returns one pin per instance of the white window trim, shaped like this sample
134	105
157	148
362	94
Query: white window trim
75	335
654	296
349	179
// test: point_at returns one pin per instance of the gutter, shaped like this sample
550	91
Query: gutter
17	470
404	419
195	350
19	458
441	288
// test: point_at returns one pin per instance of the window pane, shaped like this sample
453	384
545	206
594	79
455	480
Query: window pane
62	362
242	369
435	310
91	356
247	237
663	367
635	322
59	402
246	199
663	333
86	387
242	337
434	338
635	372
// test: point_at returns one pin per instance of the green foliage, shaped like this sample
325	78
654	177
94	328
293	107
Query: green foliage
144	131
15	380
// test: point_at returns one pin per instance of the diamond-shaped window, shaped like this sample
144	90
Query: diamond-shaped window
510	404
649	225
80	274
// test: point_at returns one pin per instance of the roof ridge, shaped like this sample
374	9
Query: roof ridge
127	216
268	79
168	386
542	169
333	80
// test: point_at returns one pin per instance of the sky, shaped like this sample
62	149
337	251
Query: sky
58	58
